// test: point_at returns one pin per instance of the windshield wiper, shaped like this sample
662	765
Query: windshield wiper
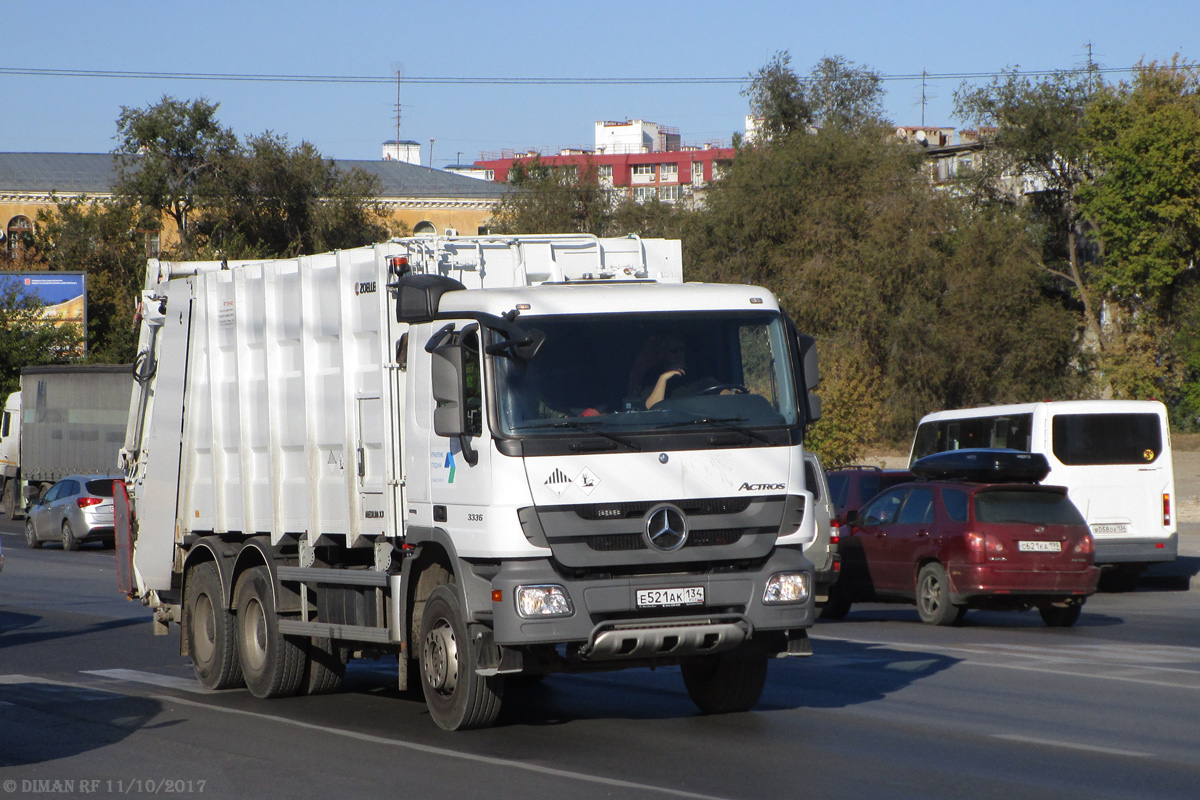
590	428
724	423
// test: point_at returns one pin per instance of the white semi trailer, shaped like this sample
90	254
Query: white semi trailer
488	456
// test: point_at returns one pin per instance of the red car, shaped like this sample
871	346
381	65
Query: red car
976	532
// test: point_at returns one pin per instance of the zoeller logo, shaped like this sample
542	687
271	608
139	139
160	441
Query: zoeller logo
761	487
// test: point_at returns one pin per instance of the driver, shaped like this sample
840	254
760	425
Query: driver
660	369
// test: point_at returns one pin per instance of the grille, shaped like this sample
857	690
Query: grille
635	541
713	505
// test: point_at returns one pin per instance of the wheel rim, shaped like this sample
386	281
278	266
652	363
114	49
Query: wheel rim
440	658
254	635
931	594
68	535
30	533
204	626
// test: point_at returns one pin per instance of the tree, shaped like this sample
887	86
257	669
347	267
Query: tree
836	94
1042	139
102	239
269	199
165	155
553	199
26	338
943	302
1145	200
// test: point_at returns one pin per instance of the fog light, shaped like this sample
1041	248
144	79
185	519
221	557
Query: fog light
543	601
787	587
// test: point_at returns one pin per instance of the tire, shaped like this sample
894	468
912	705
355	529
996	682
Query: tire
325	667
69	540
31	539
933	597
211	630
727	682
457	696
1061	615
272	664
838	604
10	500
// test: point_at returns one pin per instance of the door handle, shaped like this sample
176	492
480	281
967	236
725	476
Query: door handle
922	533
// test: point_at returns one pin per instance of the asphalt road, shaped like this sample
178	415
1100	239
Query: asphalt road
91	703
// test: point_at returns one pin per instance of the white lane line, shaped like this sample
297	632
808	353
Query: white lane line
165	681
1111	751
440	751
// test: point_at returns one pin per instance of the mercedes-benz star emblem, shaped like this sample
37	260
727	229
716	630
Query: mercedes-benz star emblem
666	528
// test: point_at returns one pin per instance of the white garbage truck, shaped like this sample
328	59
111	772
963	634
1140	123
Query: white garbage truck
485	457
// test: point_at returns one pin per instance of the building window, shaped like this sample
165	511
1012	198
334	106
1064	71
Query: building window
697	172
669	194
643	194
425	226
604	173
643	173
668	173
20	235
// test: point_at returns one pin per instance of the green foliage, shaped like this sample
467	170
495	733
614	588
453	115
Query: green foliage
945	303
553	199
102	239
167	154
269	199
25	339
1145	200
837	94
851	405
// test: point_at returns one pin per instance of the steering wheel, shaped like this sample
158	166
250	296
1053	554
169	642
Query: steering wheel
735	388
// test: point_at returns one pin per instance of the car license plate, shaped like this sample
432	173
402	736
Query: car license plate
665	598
1110	530
1040	547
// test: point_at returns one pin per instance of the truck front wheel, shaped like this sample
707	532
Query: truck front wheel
727	682
211	630
272	664
458	698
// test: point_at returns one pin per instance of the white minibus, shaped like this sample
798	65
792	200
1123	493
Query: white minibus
1114	457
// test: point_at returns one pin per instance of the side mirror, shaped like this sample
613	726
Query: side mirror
449	391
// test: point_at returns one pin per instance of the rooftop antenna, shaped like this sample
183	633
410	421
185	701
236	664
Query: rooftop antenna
399	73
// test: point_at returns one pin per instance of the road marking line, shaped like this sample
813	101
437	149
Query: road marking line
441	751
1112	751
165	681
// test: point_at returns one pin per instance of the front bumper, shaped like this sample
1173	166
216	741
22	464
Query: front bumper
606	622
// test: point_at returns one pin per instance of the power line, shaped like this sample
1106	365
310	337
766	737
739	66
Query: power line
481	81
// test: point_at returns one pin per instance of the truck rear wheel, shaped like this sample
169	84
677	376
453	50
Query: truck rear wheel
325	668
211	630
272	664
458	698
726	682
10	500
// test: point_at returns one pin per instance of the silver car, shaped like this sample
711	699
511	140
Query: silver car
78	508
823	551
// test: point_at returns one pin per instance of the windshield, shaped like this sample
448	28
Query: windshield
633	373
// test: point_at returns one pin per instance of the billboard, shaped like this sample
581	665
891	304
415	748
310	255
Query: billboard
63	294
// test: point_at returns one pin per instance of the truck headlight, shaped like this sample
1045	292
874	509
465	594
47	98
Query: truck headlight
787	587
543	601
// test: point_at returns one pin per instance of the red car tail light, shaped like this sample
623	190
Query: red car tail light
1086	546
84	502
983	547
835	532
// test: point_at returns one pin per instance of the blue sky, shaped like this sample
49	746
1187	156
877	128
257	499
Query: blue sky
610	40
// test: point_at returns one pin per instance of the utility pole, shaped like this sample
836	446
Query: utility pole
398	75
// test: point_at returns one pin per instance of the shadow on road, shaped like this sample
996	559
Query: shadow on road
1175	576
17	629
41	722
